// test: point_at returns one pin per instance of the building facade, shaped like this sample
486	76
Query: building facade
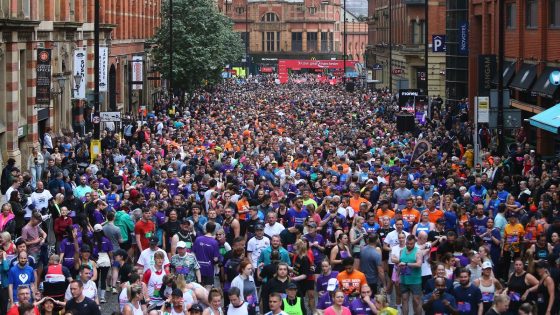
294	29
532	52
405	19
65	26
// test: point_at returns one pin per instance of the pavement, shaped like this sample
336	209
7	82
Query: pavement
112	304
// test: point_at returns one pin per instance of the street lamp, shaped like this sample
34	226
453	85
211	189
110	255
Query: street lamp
77	82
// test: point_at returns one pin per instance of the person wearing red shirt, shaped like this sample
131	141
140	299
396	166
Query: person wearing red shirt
23	294
144	229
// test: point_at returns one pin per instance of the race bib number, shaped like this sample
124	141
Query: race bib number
464	307
487	297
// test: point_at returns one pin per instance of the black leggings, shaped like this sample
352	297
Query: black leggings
102	277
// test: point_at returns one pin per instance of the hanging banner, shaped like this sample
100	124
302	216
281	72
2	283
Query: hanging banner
43	88
486	71
137	74
463	48
103	66
420	149
80	69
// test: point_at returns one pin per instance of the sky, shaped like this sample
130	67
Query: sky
358	7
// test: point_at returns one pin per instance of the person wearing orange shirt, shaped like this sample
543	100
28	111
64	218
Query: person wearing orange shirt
513	235
356	200
350	280
384	211
242	211
433	213
411	215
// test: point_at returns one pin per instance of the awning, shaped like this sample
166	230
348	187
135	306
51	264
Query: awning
525	77
548	120
509	71
543	86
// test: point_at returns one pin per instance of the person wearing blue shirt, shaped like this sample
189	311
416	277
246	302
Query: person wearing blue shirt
467	295
398	216
502	194
275	243
20	275
477	191
371	225
439	301
416	190
297	214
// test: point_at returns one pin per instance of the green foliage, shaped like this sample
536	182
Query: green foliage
203	43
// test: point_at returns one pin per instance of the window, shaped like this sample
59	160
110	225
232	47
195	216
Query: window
228	7
555	13
531	13
311	41
297	41
270	41
511	15
25	8
312	10
418	32
300	7
270	17
325	41
240	10
243	38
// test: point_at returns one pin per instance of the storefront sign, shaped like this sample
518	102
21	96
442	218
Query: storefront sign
43	88
463	48
486	72
137	73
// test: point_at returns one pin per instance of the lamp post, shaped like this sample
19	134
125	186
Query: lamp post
96	126
345	48
171	48
390	46
247	38
426	5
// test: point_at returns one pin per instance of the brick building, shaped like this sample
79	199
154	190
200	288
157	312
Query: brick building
294	29
532	52
408	27
64	26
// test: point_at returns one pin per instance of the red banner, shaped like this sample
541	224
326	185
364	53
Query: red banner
285	64
267	69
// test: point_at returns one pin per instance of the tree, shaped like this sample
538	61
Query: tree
203	43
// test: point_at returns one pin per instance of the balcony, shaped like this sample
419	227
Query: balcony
414	2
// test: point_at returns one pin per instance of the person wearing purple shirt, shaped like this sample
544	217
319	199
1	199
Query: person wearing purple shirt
297	214
479	221
172	183
326	299
67	250
316	243
323	279
206	249
362	305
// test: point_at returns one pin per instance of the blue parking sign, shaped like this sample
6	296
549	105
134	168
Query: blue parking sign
438	43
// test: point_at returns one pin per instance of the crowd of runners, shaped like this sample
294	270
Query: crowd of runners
299	199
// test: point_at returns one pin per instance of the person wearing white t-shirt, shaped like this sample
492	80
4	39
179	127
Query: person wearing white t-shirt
236	305
90	288
256	244
272	227
392	239
40	197
147	260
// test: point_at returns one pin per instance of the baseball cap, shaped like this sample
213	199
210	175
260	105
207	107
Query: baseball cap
154	239
440	221
97	227
185	220
332	284
196	308
259	227
486	265
312	224
181	244
85	249
291	286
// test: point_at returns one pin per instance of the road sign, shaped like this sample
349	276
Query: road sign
110	116
397	71
438	43
377	66
96	119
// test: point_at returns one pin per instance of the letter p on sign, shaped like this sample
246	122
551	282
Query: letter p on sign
438	43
